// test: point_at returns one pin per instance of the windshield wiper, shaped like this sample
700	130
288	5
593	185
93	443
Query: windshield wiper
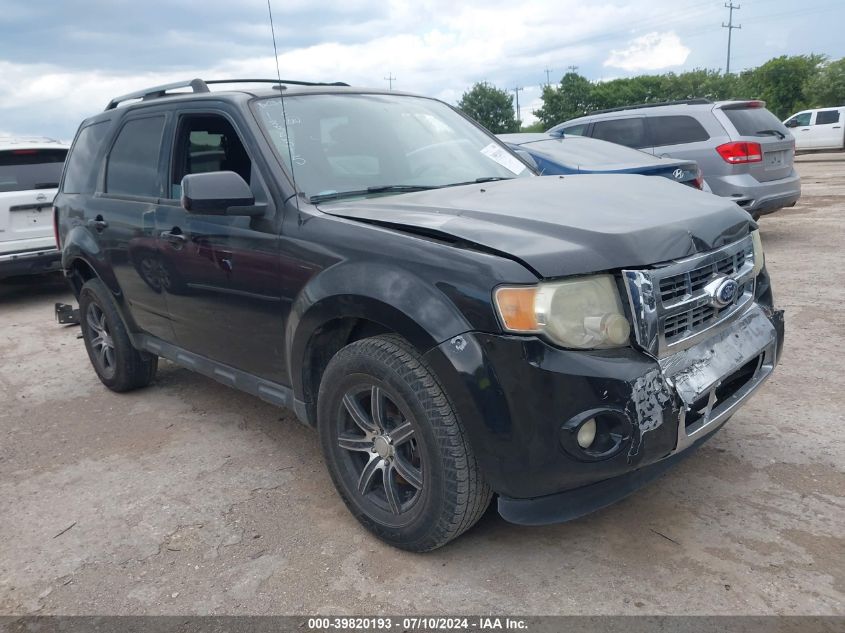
337	195
477	180
777	133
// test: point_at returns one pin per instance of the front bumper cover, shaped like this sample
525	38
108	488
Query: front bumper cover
514	393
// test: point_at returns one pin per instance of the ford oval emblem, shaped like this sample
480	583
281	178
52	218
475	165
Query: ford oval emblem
678	174
725	292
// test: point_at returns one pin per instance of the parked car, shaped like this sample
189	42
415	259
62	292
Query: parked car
452	325
561	155
29	174
744	151
817	129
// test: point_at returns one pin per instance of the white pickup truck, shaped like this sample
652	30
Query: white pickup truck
30	169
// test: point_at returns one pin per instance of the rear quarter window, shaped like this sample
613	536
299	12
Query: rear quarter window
676	130
81	172
28	169
630	132
752	121
132	168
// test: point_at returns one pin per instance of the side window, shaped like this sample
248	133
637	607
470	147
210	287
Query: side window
132	168
81	172
575	130
800	120
630	132
825	117
204	143
675	130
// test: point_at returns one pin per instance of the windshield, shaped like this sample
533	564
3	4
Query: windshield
26	169
349	143
585	152
754	121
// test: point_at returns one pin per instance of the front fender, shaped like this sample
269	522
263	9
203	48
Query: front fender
390	296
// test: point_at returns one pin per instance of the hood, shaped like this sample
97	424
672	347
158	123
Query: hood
564	225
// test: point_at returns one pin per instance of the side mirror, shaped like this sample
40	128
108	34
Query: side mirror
792	123
219	193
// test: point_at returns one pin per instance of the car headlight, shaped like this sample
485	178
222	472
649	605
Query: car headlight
581	313
759	257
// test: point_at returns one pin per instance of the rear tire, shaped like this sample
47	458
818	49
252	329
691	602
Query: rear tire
118	364
394	447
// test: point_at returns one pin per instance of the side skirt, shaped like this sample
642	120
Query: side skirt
271	392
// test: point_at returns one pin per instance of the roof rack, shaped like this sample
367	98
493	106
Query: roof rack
201	86
653	105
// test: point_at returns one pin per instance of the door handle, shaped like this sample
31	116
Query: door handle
98	223
176	239
837	127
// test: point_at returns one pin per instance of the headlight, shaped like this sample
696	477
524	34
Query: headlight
759	257
582	313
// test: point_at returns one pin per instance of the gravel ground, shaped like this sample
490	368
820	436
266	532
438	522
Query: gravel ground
188	497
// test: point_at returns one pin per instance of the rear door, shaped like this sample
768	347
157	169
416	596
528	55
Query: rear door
826	129
752	123
28	181
630	131
679	136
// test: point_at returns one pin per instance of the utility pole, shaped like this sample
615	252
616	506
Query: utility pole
730	26
548	78
516	91
390	79
572	69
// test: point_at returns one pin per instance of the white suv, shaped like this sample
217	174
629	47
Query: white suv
30	169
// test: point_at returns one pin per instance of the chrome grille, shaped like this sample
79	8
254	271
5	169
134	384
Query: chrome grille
672	305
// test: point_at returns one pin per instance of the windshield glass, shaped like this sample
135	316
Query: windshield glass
26	169
754	121
585	152
354	142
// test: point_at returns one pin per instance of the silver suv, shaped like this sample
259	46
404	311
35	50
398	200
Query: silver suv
744	151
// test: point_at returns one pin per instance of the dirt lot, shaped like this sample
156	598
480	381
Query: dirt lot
188	497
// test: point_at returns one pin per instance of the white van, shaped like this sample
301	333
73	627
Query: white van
30	169
822	128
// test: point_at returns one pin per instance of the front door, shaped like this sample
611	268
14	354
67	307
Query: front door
222	272
826	131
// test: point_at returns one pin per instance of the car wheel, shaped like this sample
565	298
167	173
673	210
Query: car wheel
395	448
119	366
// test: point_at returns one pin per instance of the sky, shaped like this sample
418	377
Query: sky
62	60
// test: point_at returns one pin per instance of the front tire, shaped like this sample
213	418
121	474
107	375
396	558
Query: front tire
395	448
118	364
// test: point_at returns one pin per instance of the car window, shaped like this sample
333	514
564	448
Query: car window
800	119
26	169
348	143
675	130
206	143
630	132
575	130
81	174
132	167
753	120
824	117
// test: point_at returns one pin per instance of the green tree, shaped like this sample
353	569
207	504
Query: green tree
827	88
569	99
782	82
491	107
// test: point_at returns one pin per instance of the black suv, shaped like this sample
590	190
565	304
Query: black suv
453	325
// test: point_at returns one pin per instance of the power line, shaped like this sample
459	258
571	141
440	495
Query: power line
390	79
730	26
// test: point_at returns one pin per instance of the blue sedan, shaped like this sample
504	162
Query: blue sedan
555	155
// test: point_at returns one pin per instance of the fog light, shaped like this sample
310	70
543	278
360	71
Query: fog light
587	433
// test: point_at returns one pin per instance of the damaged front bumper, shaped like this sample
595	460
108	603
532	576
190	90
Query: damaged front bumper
519	400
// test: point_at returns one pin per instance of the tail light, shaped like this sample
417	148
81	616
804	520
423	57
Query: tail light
741	152
56	227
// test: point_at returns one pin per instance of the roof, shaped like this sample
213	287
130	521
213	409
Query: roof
30	142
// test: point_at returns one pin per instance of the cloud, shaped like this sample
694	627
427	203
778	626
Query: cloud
652	51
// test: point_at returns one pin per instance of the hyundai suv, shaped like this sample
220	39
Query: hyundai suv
453	326
30	169
744	151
